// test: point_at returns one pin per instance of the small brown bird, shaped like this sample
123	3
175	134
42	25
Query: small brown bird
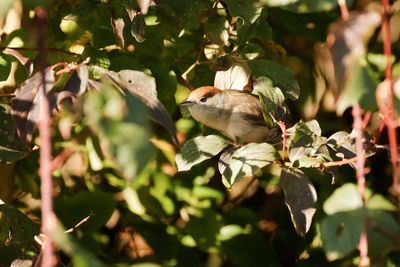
236	114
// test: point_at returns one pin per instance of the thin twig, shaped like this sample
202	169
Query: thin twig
281	125
360	173
358	126
46	187
390	116
339	163
7	95
61	158
55	50
193	66
76	226
344	11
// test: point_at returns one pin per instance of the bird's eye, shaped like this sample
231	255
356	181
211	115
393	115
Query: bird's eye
203	99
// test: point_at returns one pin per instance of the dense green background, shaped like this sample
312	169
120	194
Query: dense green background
114	132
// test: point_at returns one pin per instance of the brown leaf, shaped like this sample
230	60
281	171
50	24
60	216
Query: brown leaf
138	27
26	62
118	25
346	42
144	5
25	105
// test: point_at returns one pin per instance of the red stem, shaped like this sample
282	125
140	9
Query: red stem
358	126
390	116
46	187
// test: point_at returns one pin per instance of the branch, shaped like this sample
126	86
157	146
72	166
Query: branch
281	125
46	187
55	50
390	115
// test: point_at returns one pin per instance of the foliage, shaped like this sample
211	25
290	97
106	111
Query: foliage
137	183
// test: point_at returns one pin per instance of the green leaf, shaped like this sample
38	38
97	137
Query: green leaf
216	29
272	100
205	237
383	233
343	143
5	67
340	233
300	197
199	149
246	11
259	28
379	202
304	140
123	127
71	210
360	88
279	75
247	160
143	87
345	198
79	255
22	229
244	248
11	147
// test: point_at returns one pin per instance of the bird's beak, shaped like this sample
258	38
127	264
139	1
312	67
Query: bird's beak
187	103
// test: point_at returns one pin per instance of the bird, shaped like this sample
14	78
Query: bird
236	114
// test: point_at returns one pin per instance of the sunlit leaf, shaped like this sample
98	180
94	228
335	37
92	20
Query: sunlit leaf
300	197
205	237
4	6
144	5
138	28
199	149
118	25
340	233
143	87
5	67
272	101
123	126
279	75
246	11
304	140
247	160
360	88
345	198
216	29
236	77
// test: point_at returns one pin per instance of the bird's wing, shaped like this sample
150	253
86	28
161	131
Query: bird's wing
249	105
